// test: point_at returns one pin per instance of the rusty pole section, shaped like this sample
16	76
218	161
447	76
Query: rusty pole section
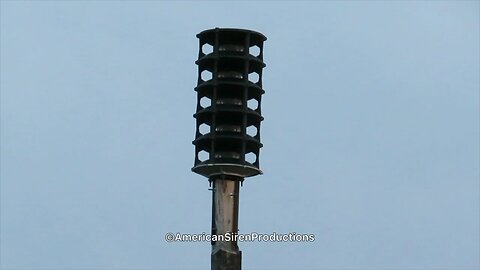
225	254
227	138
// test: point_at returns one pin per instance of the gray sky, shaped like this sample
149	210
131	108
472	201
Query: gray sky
371	134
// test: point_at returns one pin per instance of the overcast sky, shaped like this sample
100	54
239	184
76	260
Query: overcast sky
371	134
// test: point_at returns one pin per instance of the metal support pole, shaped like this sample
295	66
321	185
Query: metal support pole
225	254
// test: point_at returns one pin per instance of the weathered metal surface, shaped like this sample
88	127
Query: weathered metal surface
225	204
223	260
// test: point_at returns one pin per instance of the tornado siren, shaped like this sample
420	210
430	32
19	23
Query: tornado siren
229	95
